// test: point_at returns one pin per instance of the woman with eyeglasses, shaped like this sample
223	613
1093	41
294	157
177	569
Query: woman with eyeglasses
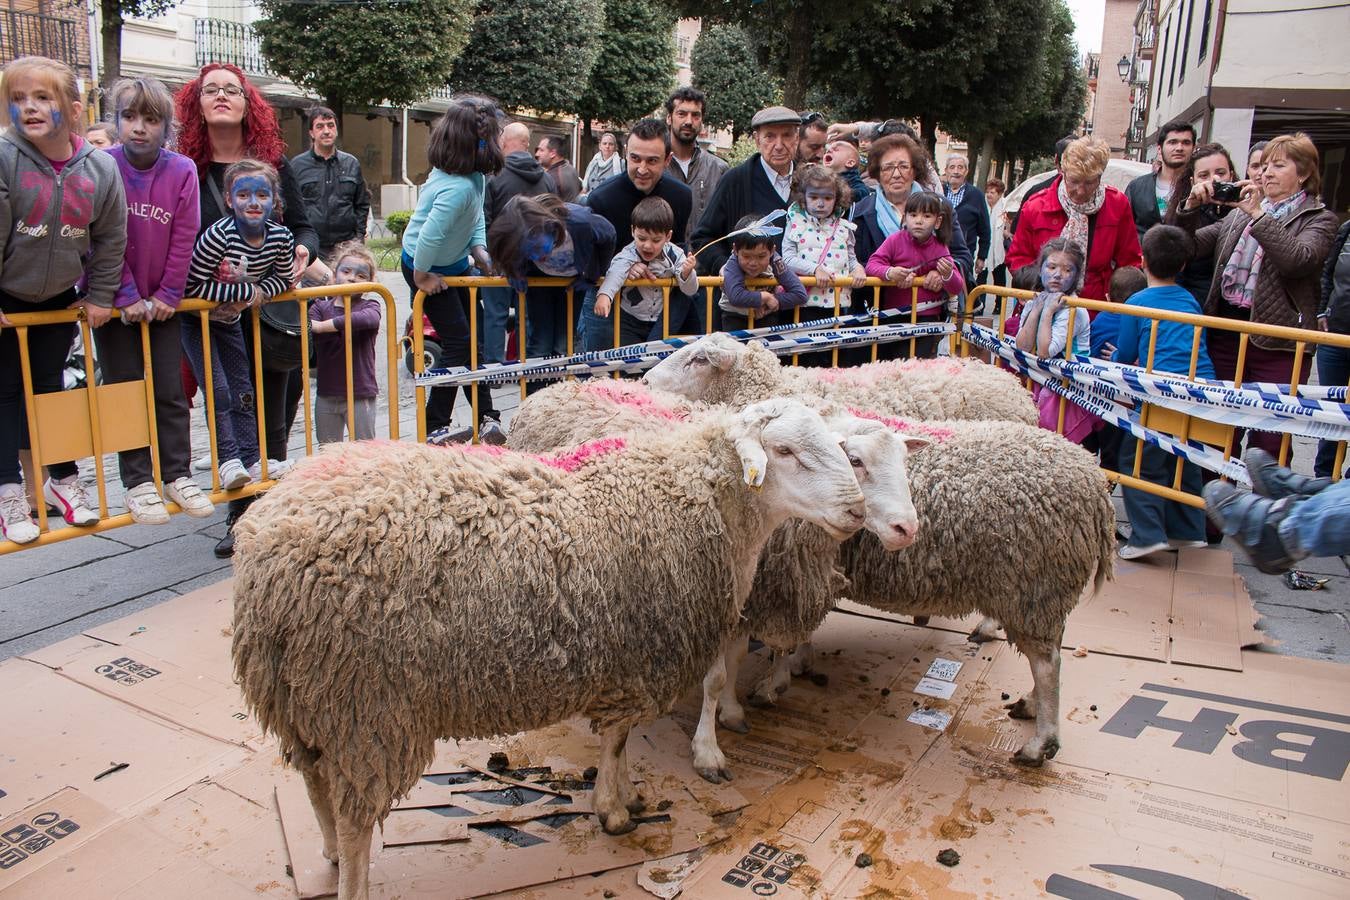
1078	206
222	120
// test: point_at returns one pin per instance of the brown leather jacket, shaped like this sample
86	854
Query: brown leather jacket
1288	285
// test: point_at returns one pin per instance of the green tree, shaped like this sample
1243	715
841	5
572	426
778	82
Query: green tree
112	16
1057	106
365	52
725	67
535	54
635	69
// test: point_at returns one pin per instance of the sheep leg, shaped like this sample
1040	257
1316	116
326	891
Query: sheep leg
803	659
987	630
321	798
608	798
732	714
632	800
1044	744
708	759
778	680
353	839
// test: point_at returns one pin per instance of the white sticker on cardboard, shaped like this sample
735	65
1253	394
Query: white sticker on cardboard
933	688
931	718
944	669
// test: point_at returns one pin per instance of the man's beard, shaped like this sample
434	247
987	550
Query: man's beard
679	136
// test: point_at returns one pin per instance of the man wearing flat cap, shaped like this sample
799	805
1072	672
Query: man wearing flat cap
759	185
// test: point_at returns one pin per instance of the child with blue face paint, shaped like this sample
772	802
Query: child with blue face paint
162	222
64	224
238	262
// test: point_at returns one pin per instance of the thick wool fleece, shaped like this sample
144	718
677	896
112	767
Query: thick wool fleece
574	412
1034	507
941	388
797	583
389	595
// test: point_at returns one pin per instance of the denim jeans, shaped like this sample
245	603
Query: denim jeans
1333	369
1154	519
1320	525
497	303
231	385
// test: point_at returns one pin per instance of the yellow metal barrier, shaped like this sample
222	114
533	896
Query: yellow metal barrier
66	425
1183	426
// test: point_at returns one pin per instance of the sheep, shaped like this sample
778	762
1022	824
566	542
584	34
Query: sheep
1033	505
798	575
388	595
719	369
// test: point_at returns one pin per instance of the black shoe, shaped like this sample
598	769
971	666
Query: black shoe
1270	479
225	546
491	432
1254	522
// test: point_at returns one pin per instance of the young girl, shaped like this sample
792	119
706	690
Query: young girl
65	220
352	263
162	222
917	256
238	262
446	236
1045	326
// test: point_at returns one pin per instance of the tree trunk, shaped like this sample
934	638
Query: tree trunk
799	32
986	161
1007	173
973	158
1026	169
110	33
928	133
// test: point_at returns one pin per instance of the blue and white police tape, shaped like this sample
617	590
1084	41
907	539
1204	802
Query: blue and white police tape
1215	401
638	357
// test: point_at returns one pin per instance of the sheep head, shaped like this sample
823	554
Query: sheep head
879	457
691	371
789	454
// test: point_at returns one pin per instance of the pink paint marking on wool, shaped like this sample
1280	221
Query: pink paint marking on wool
622	394
905	426
577	457
945	365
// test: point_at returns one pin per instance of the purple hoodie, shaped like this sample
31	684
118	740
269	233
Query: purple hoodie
162	223
330	355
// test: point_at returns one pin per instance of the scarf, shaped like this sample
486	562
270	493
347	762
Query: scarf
1076	229
888	218
1237	284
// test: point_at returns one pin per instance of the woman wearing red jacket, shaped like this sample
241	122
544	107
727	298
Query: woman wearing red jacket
1079	207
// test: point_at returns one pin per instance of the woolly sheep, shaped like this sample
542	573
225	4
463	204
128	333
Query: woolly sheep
389	595
573	412
1036	506
719	369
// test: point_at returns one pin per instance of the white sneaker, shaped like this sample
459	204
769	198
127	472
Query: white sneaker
1187	545
202	463
145	505
15	523
1131	551
232	475
66	496
275	469
190	498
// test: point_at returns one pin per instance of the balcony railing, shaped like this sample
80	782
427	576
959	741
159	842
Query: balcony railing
29	34
220	40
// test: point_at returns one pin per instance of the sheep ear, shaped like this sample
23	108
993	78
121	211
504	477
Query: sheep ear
913	443
754	461
717	357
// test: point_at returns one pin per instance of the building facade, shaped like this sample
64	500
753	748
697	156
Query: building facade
1111	94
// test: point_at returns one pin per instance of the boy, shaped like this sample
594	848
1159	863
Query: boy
756	256
1157	524
650	256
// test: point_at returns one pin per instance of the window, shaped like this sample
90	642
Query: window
1172	69
1204	30
1162	64
1186	42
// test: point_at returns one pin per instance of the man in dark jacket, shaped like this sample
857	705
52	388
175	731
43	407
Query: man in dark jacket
335	195
1149	193
972	212
549	153
521	176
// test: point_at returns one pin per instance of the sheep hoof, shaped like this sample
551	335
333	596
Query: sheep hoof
1021	710
330	855
1030	760
921	620
622	823
1051	747
736	724
758	701
713	773
979	636
636	805
801	666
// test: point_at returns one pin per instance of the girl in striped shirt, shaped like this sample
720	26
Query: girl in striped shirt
238	262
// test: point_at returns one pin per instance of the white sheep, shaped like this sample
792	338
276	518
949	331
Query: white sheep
1035	507
390	595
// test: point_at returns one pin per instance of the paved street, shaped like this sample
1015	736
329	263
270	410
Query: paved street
51	593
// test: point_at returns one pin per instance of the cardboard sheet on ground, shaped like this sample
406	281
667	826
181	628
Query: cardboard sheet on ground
1186	607
193	631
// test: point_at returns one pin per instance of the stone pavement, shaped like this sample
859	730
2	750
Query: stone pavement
51	593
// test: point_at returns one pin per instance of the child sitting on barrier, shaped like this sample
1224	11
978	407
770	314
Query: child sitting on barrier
916	256
352	263
755	256
162	223
1155	522
47	249
241	261
819	241
650	255
1044	331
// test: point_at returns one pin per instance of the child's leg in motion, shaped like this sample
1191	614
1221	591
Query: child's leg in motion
330	418
365	418
1147	512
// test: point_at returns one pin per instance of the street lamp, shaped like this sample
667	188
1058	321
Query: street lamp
1123	68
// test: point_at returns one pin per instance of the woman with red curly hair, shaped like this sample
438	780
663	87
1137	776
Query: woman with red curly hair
223	119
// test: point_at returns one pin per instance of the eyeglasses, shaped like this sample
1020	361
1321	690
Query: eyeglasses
809	117
229	90
895	168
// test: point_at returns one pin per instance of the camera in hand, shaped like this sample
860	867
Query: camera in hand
1227	191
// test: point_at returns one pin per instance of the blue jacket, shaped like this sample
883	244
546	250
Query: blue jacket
592	245
1172	352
